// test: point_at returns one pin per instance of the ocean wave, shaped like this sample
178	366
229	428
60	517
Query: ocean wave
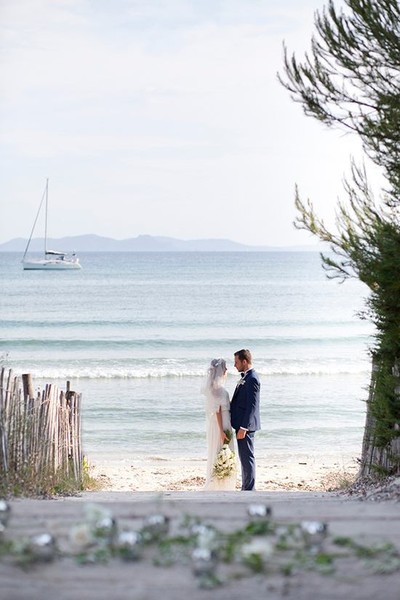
87	372
67	323
101	344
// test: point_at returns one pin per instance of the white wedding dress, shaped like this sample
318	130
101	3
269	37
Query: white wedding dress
216	400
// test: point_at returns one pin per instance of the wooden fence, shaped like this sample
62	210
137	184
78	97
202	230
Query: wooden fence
377	459
40	435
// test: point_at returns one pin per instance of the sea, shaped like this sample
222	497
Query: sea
134	333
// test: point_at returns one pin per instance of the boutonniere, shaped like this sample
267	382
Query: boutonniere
241	381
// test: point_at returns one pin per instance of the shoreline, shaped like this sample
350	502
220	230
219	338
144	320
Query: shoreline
159	473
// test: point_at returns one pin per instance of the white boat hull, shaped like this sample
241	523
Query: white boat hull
51	265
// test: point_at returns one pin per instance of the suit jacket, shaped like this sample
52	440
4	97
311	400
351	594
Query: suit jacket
245	403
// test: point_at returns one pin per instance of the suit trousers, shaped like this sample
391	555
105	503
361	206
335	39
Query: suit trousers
247	461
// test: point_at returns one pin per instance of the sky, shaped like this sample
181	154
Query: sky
161	117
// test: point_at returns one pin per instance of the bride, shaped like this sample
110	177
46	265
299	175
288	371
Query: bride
217	422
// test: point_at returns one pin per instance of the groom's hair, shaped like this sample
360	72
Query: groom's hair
244	355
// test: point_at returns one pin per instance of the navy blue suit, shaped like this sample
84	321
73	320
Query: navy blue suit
245	412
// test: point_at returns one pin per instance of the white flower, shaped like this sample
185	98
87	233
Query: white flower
258	547
99	523
81	536
225	463
95	513
206	538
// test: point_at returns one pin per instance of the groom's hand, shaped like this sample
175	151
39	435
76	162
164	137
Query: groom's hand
241	434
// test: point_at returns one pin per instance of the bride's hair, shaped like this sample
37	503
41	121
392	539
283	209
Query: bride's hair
215	374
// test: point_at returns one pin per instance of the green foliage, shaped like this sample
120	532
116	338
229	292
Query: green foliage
89	483
350	77
261	527
379	558
254	562
28	482
367	247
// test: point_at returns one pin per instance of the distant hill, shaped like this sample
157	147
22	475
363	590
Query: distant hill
141	243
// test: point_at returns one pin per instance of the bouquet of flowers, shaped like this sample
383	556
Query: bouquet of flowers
225	463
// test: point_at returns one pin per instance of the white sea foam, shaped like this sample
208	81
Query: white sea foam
89	372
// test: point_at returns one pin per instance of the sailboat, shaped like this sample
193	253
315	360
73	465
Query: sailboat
52	259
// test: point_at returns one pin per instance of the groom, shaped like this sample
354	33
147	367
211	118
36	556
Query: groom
245	415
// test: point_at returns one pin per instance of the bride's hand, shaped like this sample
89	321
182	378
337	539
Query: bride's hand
224	439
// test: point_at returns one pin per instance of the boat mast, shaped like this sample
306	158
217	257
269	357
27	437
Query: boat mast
36	218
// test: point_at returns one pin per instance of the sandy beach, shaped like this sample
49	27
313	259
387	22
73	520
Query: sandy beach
160	473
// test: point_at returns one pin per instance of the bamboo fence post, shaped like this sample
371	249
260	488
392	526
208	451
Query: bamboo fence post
3	433
28	386
387	457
